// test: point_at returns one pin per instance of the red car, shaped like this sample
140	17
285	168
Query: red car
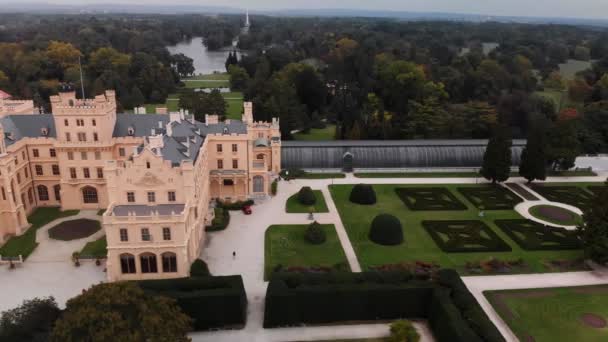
246	209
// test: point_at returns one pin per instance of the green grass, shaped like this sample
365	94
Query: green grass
327	133
195	84
418	245
569	69
235	109
552	314
293	206
322	175
97	248
285	245
216	77
574	218
233	99
463	174
25	244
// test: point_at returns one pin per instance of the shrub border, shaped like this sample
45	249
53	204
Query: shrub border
430	227
455	205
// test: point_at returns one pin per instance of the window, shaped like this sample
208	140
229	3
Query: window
228	182
23	155
121	152
70	155
79	122
171	196
99	172
124	235
169	262
127	263
53	153
66	123
86	173
220	164
68	136
235	164
55	169
39	170
148	263
73	173
130	197
97	155
95	137
151	197
27	174
3	193
147	165
82	136
145	234
18	178
93	122
89	195
43	193
30	196
220	148
235	148
36	153
84	156
57	190
167	234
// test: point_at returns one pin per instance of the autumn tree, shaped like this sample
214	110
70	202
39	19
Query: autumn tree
497	157
121	312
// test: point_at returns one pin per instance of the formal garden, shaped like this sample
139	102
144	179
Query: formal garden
574	313
306	201
74	229
555	215
576	194
471	228
310	248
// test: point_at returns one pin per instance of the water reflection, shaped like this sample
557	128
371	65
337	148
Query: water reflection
205	61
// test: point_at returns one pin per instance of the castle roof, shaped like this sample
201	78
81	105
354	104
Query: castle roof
17	127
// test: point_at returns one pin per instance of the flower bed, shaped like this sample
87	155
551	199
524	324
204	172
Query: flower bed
465	236
429	199
534	236
491	197
555	215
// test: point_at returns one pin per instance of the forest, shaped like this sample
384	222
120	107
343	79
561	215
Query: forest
372	78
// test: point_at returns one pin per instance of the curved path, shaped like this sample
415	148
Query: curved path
523	209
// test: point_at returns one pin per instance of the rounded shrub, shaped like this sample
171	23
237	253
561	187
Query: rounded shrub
306	196
315	234
386	230
403	331
199	268
363	194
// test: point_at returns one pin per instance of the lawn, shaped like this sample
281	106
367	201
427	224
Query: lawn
553	314
327	133
463	174
97	248
25	244
569	69
285	245
293	206
419	246
208	81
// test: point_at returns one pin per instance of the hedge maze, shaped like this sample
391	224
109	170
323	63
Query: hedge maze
429	199
490	197
596	189
465	236
533	236
572	195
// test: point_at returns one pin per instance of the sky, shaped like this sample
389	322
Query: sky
542	8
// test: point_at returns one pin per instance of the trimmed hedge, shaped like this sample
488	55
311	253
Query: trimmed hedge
491	197
429	199
199	268
465	236
386	230
274	187
212	302
220	221
572	195
238	205
533	236
315	234
363	194
306	196
453	313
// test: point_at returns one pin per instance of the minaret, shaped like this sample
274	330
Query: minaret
247	23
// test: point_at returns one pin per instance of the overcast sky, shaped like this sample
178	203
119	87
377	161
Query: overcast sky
544	8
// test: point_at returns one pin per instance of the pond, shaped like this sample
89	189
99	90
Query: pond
205	61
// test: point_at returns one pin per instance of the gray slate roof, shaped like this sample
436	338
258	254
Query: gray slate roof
27	126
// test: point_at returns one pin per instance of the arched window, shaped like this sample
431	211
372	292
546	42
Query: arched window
57	190
169	262
89	195
260	156
127	263
148	263
43	193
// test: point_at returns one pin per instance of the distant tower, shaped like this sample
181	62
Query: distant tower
247	23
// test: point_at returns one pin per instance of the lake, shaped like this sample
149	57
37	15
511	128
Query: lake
205	61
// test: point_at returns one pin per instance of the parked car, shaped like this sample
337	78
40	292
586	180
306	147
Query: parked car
246	209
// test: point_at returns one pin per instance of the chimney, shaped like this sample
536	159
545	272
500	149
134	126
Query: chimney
247	112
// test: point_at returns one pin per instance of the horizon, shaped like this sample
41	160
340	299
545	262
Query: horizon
583	9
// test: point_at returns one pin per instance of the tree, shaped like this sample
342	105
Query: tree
32	321
594	230
582	53
183	64
497	157
533	164
201	103
63	54
563	145
231	60
121	312
4	80
239	78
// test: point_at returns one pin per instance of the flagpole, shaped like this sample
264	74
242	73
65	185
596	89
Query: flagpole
81	78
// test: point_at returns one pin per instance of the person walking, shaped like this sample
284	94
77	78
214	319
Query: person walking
233	254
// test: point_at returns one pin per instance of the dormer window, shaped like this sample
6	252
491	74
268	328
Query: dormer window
44	131
225	130
131	131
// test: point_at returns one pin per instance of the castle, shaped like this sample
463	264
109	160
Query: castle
156	175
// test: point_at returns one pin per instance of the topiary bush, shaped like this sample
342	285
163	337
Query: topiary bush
315	234
363	194
199	268
386	230
306	196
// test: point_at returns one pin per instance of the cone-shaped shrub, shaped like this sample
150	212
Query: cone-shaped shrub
386	230
199	268
315	234
363	194
306	196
